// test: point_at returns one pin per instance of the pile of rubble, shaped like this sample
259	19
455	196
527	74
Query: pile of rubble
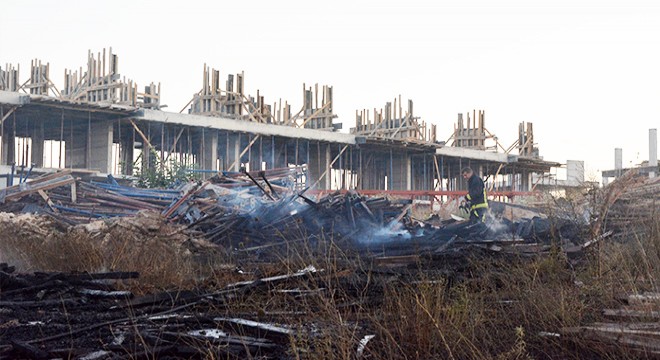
256	212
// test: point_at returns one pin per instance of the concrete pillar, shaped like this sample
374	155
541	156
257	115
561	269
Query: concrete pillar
319	161
618	160
76	151
8	146
127	154
255	154
100	146
524	181
653	150
37	149
327	160
233	151
209	152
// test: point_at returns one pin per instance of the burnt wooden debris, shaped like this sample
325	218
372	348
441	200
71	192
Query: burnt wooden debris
257	212
83	315
92	315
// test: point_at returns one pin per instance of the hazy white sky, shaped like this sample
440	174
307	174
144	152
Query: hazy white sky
586	73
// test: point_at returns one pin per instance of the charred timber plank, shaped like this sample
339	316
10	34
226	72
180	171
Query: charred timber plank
218	337
49	284
79	353
257	329
628	313
106	294
29	351
8	281
259	186
40	303
396	260
621	339
152	353
168	298
115	275
73	332
263	176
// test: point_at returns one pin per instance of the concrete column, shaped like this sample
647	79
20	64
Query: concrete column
76	151
525	181
618	160
127	154
209	152
255	155
233	151
320	158
279	153
37	149
653	150
407	163
327	159
313	165
8	146
100	146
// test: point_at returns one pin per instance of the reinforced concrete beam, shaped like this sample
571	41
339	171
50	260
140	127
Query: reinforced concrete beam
228	124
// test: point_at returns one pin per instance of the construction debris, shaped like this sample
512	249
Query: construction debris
265	314
257	211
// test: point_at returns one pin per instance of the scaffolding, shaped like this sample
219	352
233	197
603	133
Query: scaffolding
101	85
392	123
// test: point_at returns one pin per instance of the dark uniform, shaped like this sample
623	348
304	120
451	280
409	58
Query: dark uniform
477	198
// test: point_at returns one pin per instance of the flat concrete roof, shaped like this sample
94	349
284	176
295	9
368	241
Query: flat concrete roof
229	124
211	122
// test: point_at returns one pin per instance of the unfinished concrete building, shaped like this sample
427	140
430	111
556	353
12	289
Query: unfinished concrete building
102	121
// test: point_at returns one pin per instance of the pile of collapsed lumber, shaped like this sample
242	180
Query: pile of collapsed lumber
634	328
632	198
232	217
72	201
260	210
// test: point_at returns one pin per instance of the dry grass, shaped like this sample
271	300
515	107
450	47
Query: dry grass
145	244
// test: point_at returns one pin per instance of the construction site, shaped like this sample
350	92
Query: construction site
250	226
102	121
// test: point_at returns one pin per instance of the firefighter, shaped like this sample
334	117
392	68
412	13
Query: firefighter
476	200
